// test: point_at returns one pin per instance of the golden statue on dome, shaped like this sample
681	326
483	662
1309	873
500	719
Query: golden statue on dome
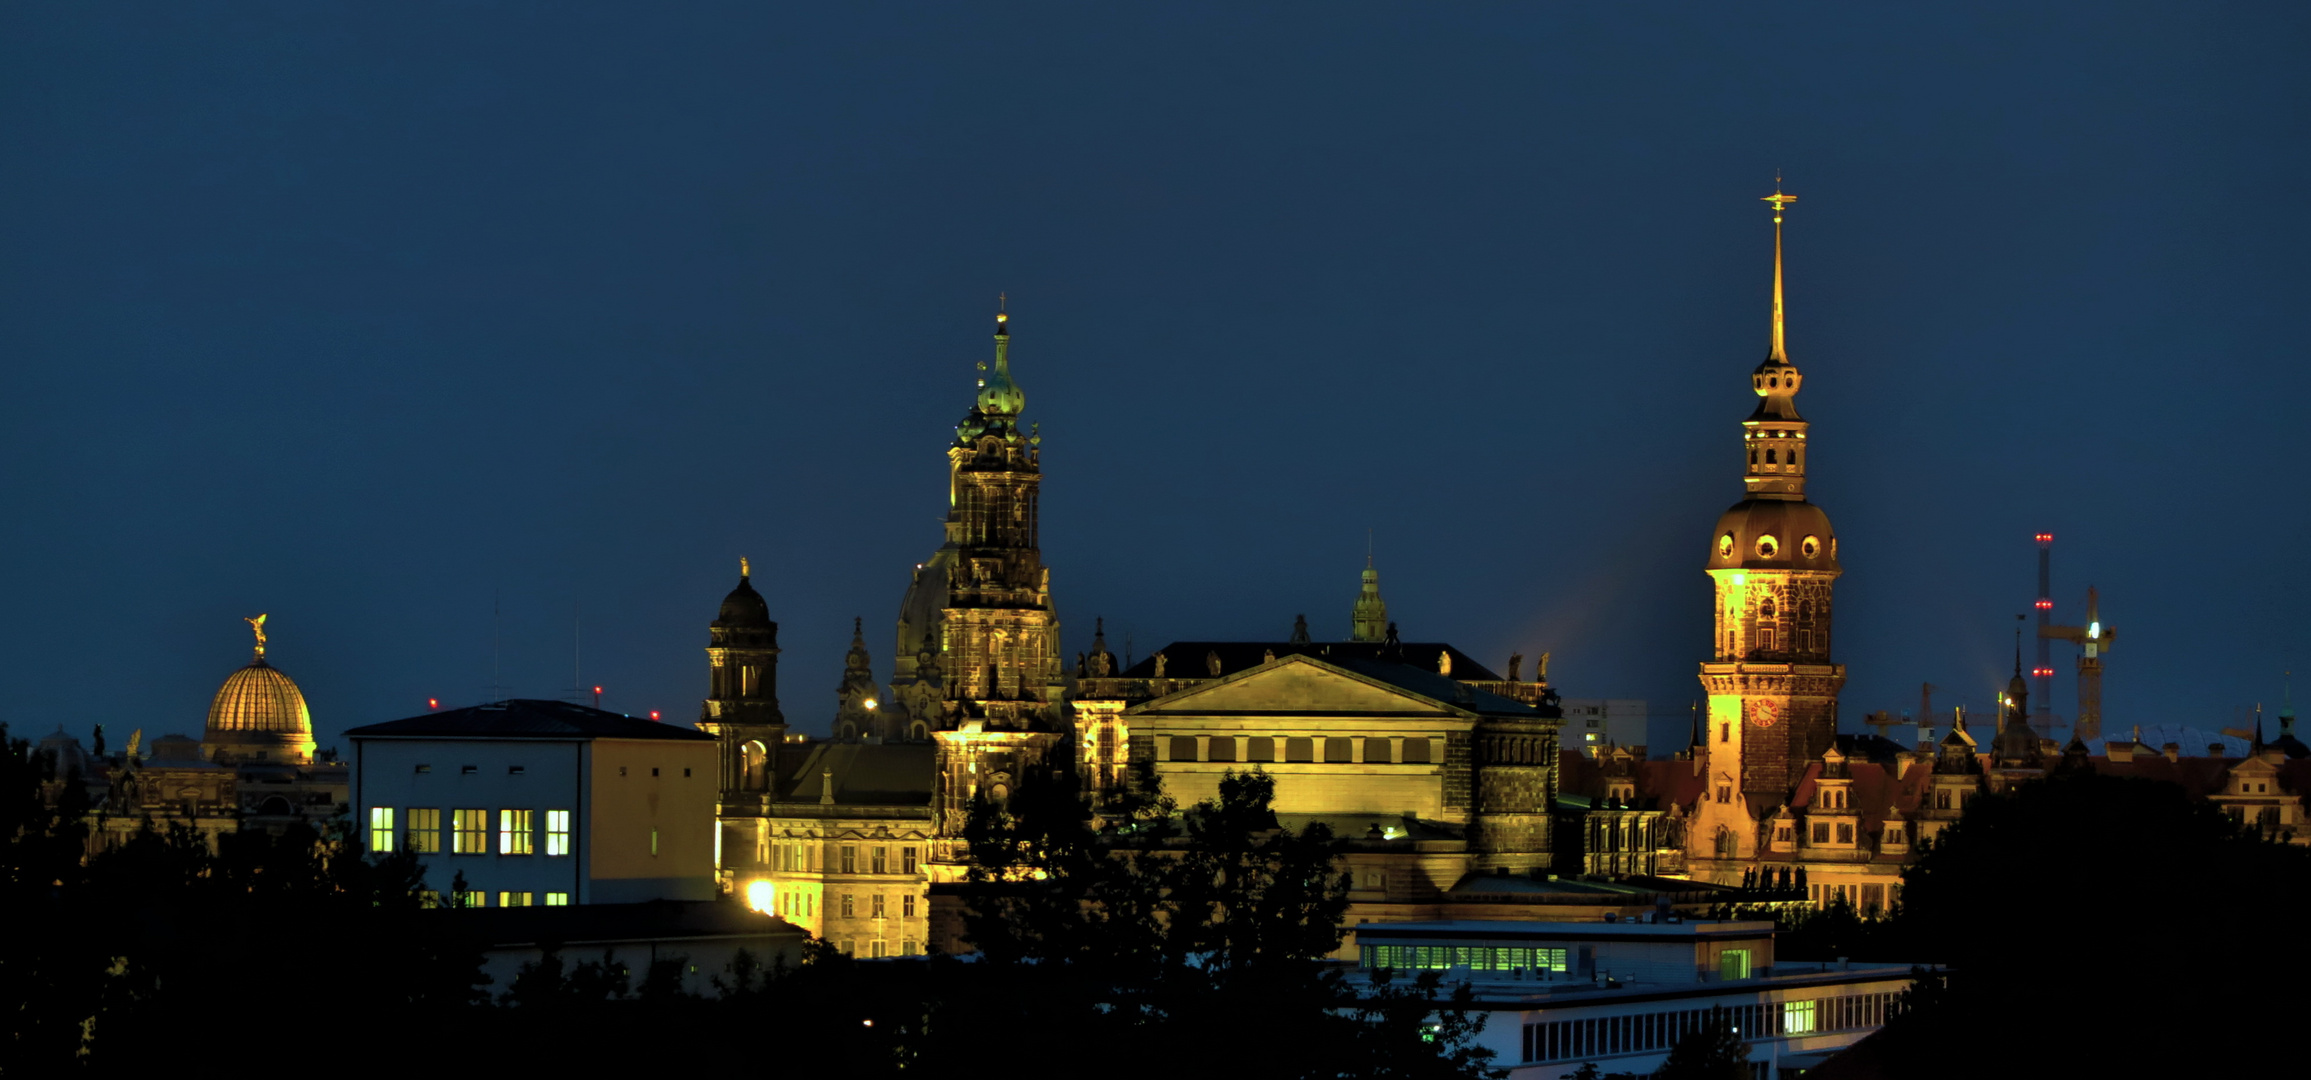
258	624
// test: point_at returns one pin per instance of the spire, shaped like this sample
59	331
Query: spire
1299	629
997	393
1369	621
1780	353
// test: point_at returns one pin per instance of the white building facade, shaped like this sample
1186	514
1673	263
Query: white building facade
1621	995
541	803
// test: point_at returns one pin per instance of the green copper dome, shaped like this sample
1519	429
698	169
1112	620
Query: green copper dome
997	393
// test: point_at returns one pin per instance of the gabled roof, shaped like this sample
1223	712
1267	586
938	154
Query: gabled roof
1877	792
1427	691
1192	659
526	718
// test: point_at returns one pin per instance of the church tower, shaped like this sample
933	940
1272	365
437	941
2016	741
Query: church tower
741	707
978	668
982	603
1370	620
1772	687
858	712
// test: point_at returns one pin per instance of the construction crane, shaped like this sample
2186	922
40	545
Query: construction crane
2093	640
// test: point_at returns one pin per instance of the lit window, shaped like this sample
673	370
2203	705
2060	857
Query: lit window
514	836
469	832
429	898
1797	1017
381	828
907	860
424	830
1733	964
557	899
557	832
513	899
473	899
911	947
653	843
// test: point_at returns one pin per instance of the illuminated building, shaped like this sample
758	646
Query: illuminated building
1619	995
541	803
254	766
1771	684
833	836
978	665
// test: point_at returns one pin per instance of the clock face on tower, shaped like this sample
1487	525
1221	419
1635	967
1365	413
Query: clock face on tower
1764	713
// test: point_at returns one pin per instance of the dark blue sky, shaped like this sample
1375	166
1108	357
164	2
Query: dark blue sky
364	315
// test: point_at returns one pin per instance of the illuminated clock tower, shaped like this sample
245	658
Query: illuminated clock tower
1773	692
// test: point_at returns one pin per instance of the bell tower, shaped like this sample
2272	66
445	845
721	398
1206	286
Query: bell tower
1772	560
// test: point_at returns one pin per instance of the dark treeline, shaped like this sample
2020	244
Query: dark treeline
1141	943
2090	926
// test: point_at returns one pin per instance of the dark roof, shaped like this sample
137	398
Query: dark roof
584	923
526	718
1191	659
893	774
1445	688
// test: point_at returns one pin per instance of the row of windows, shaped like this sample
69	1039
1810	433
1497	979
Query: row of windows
805	904
879	948
469	832
1337	751
1572	1040
1473	957
517	770
798	858
479	898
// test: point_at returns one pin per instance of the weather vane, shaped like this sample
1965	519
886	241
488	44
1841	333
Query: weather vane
1778	199
258	624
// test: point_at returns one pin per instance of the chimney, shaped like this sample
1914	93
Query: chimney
2119	752
2173	751
2215	750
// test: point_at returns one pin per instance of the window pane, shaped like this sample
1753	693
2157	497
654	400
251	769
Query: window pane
381	837
557	832
470	832
425	830
514	833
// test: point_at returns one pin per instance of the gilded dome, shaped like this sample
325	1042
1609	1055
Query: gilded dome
259	698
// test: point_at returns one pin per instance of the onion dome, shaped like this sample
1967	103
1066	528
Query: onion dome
998	395
744	606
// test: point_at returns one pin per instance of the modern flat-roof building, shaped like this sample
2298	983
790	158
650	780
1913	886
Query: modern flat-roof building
1621	994
542	803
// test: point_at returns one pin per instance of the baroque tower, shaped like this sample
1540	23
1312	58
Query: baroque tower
1773	691
741	707
978	646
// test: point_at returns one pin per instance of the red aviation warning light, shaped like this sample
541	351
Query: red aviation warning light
2046	605
433	703
2044	538
653	714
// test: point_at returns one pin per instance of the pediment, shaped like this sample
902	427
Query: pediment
1296	686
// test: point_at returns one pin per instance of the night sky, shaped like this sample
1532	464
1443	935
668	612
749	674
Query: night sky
375	316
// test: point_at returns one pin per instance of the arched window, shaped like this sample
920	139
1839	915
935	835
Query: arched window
1769	457
755	774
